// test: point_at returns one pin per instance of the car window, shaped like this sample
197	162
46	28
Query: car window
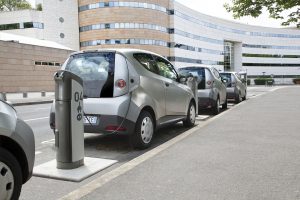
195	71
146	60
165	68
97	71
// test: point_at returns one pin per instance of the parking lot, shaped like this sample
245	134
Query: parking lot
97	146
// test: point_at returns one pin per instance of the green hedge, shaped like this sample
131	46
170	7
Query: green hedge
296	80
264	81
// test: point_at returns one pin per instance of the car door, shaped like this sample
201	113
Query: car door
177	96
152	83
220	85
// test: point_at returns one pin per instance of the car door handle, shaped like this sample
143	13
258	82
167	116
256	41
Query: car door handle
167	84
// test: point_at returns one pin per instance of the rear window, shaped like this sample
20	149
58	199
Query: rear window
195	71
97	71
227	77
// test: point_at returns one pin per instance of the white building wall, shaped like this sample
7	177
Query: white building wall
67	10
222	30
20	17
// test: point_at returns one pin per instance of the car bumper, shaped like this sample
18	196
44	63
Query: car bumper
110	124
231	93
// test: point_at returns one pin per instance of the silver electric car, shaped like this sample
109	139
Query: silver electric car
17	152
236	88
128	91
211	89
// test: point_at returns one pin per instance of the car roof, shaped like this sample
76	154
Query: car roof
196	67
124	51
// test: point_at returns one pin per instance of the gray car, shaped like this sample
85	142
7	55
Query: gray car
17	152
211	89
130	92
236	88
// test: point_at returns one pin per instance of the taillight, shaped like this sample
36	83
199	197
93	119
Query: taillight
208	82
121	83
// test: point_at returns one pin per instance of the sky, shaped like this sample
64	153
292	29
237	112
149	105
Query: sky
215	8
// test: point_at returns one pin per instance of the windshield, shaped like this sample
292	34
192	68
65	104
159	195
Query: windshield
195	71
97	72
227	77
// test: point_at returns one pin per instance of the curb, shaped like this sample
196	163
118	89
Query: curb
31	103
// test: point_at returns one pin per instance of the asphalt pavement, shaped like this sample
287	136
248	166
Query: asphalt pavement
252	151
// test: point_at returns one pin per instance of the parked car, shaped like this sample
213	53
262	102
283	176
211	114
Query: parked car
211	89
130	92
236	87
17	152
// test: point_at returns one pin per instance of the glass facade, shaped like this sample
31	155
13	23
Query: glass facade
194	61
231	30
124	41
123	4
197	49
270	55
271	47
196	37
122	26
22	25
228	56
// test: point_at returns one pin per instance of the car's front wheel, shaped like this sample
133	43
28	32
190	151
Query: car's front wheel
144	130
10	176
191	116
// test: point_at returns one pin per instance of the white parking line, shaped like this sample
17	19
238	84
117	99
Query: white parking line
29	120
38	152
48	141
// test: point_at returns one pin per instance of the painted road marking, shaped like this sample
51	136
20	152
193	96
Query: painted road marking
35	119
38	152
48	141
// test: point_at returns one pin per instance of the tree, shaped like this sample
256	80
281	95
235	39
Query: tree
254	8
39	7
11	5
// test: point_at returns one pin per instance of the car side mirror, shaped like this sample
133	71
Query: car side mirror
182	79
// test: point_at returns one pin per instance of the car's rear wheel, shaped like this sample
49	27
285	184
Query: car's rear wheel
238	98
191	116
245	97
10	176
216	107
225	104
144	130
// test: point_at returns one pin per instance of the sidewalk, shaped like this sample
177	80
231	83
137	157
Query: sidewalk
252	151
18	99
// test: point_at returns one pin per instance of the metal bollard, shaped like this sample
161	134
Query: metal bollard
43	93
25	94
69	137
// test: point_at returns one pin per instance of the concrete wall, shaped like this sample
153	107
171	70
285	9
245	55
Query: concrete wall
19	72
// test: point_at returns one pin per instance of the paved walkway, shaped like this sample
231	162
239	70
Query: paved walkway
252	151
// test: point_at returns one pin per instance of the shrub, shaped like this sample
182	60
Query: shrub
263	81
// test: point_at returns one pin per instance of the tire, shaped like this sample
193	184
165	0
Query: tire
245	97
144	131
225	105
216	107
238	98
10	176
191	116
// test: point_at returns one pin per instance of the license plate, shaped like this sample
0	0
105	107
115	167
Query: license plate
90	120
